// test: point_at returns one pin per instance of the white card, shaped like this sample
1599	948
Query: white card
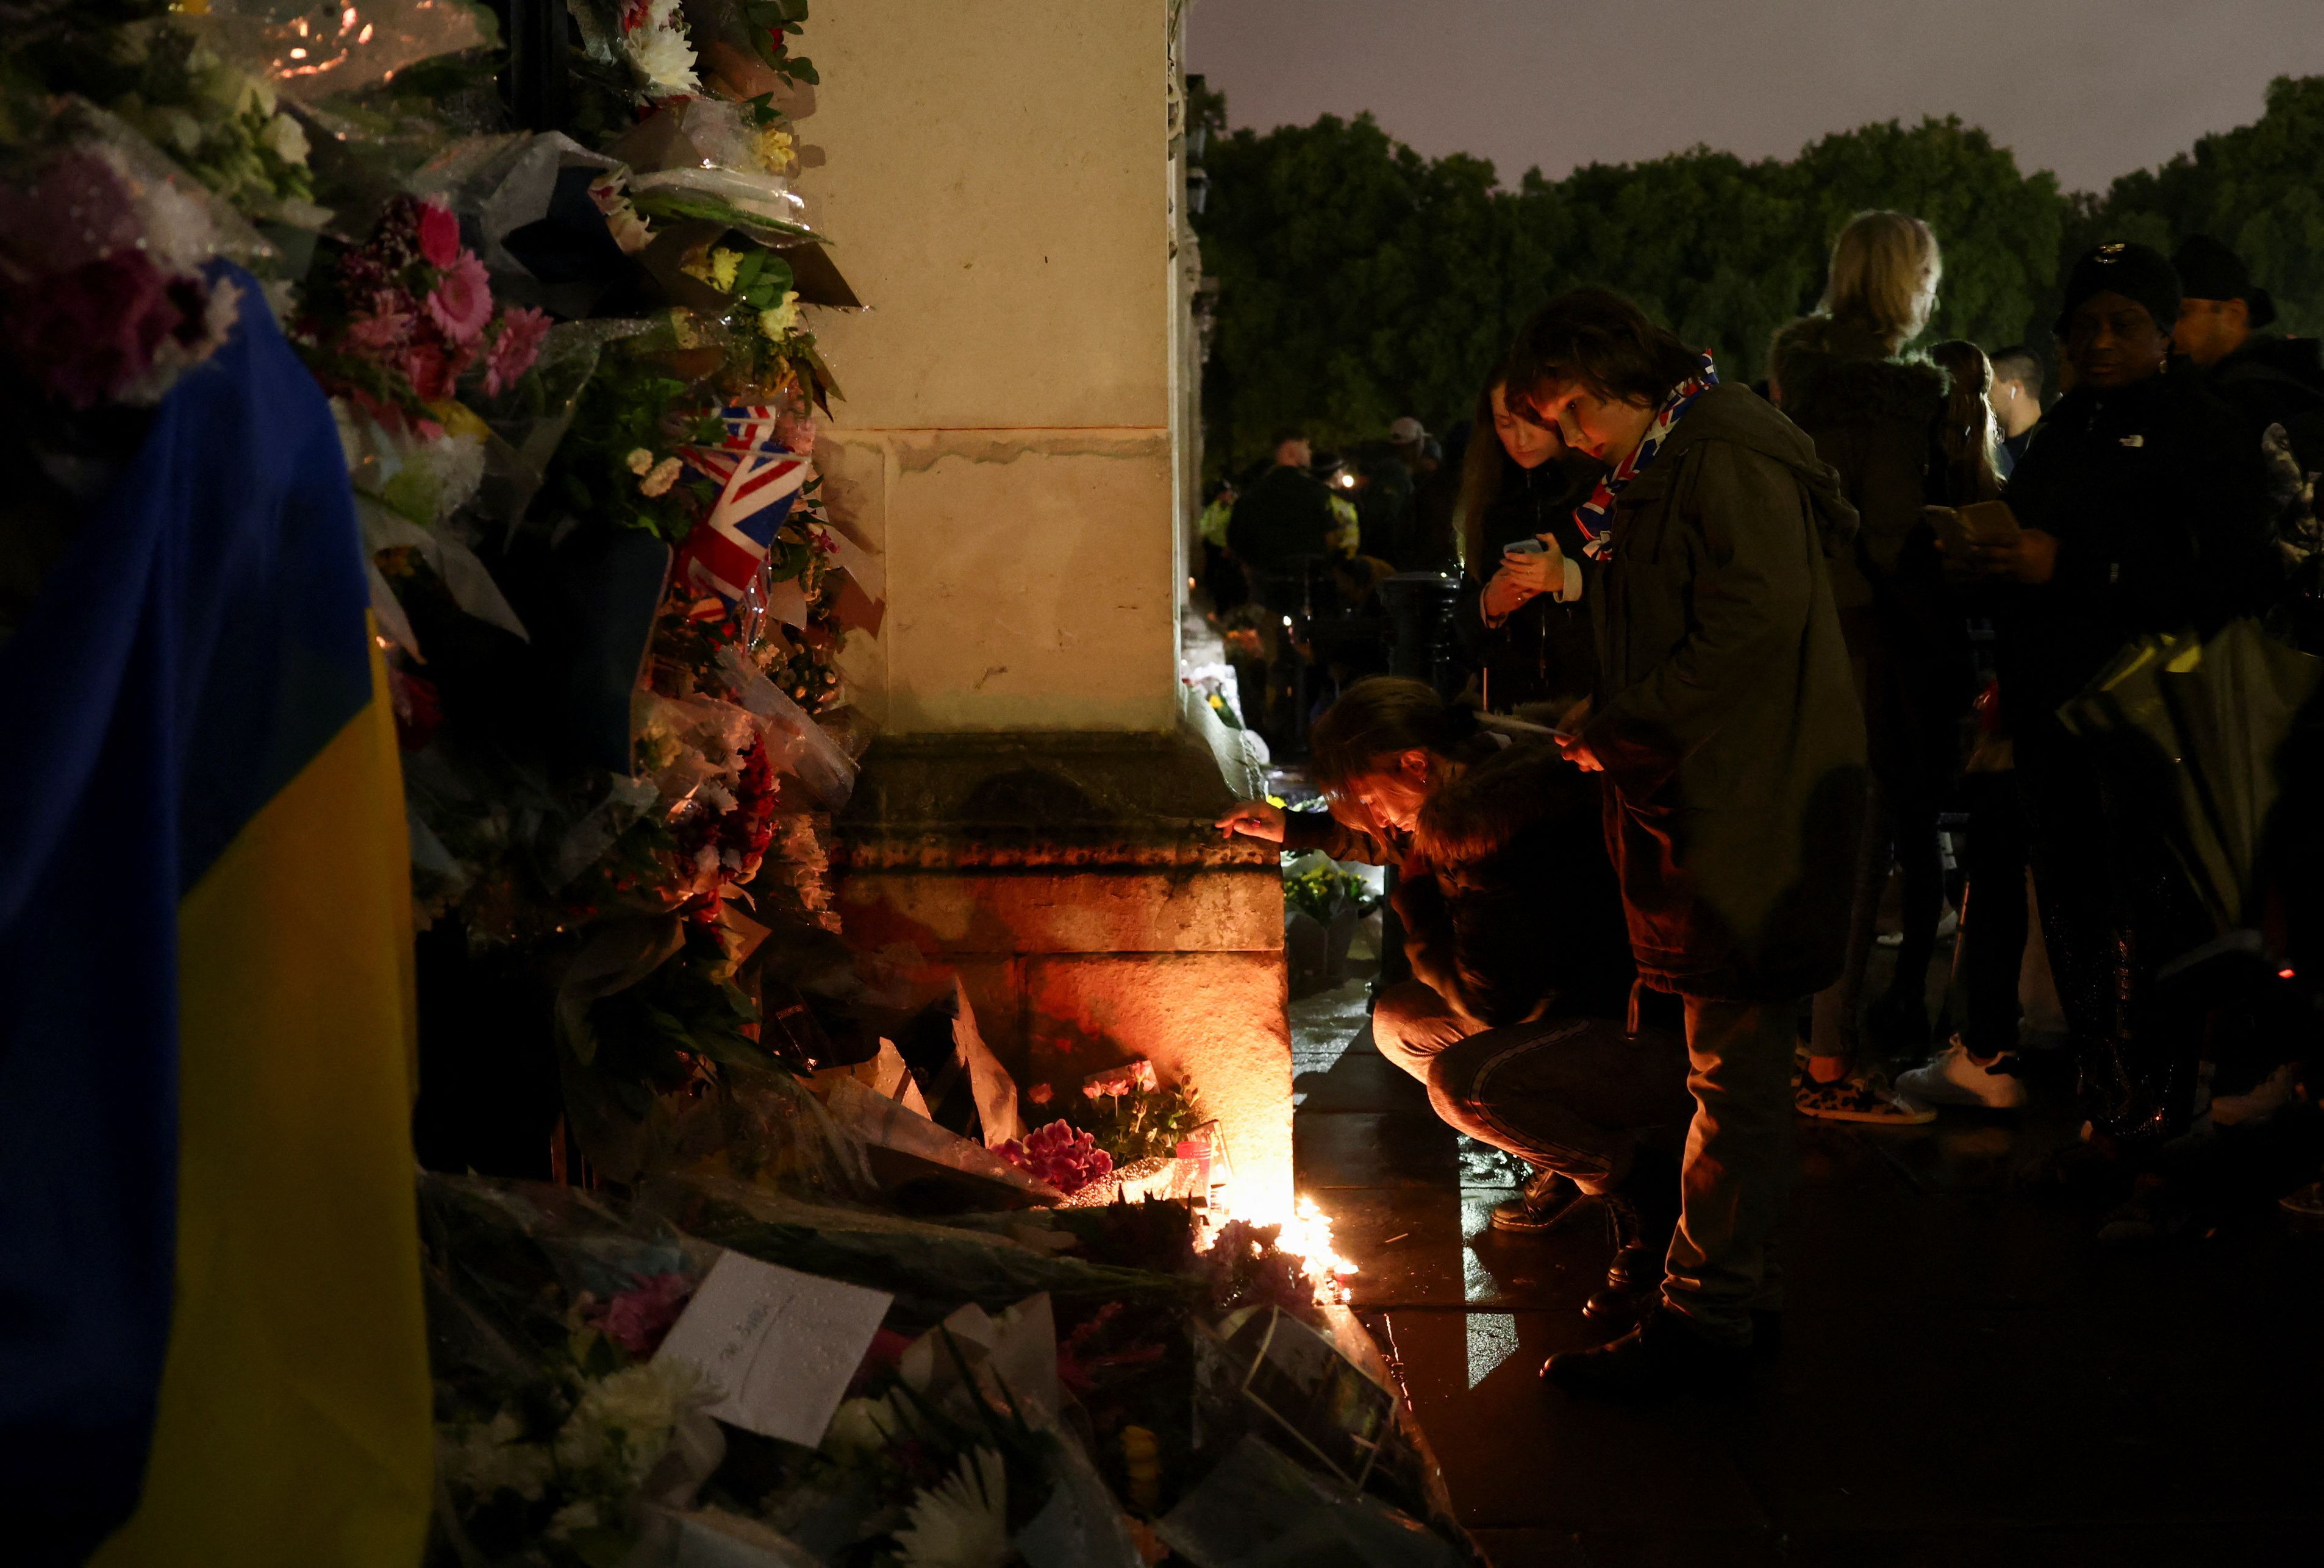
778	1345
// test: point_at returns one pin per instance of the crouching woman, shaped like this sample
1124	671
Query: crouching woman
1518	1015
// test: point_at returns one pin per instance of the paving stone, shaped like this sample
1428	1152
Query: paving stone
1423	1246
1374	1149
1517	1453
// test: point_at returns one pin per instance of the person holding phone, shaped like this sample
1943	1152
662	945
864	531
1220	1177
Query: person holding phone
1528	645
2143	508
1725	723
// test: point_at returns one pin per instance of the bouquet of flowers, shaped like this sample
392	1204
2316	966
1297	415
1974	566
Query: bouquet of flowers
398	323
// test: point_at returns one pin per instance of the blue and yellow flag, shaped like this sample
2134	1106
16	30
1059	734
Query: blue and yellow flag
211	1343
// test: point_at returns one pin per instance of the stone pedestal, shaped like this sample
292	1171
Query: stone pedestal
1074	884
1016	442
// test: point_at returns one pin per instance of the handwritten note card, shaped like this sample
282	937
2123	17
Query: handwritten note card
778	1345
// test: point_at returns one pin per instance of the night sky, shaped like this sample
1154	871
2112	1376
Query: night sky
2087	89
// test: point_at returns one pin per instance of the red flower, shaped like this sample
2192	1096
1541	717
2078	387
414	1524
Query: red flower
418	711
439	235
1066	1160
430	370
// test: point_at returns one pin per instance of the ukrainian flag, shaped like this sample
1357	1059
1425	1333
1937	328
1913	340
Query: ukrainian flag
212	1352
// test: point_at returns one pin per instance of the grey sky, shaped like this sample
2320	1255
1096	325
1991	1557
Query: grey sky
2088	89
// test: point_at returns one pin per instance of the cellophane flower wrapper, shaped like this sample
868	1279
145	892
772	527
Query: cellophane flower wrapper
312	50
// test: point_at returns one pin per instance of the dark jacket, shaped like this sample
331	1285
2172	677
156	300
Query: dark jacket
1545	649
2157	494
1726	720
2276	380
1510	906
1284	514
1874	420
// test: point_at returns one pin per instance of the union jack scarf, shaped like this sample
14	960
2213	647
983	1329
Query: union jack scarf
1595	516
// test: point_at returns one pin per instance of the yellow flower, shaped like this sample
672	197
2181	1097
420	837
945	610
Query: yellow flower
775	150
723	263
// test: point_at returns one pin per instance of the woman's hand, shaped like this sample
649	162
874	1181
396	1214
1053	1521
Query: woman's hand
2031	558
1253	820
1525	575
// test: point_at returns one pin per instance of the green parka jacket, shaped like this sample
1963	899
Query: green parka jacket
1726	717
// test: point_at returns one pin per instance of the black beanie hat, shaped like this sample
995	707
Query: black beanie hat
2208	269
2136	272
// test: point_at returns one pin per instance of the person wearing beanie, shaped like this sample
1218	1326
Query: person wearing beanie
2270	378
2143	507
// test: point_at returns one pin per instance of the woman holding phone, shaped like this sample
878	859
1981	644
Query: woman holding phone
1518	493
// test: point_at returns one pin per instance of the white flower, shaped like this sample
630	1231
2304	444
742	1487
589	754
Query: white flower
664	475
285	139
572	1517
623	1420
860	1428
177	126
962	1521
639	460
482	1459
778	321
661	55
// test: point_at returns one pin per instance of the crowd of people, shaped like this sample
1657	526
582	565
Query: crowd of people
1743	661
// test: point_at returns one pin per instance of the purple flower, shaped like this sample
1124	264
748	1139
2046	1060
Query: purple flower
87	333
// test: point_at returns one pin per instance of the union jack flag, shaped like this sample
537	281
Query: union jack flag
758	484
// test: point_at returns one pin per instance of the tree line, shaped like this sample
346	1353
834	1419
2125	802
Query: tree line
1359	281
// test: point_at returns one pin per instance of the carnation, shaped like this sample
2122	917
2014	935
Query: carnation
664	475
638	1319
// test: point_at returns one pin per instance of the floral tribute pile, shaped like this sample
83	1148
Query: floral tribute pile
577	388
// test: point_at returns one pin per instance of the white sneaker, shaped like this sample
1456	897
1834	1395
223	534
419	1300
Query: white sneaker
1951	1078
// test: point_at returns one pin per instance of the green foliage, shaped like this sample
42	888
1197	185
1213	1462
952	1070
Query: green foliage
1361	281
2259	189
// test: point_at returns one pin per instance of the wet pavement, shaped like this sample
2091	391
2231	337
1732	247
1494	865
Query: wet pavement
1968	1376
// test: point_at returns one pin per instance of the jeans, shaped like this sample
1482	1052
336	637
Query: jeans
1412	1025
1576	1096
1736	1178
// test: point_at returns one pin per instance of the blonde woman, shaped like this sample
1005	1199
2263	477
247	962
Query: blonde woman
1877	416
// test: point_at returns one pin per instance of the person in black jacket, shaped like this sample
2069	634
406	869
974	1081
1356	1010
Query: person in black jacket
1516	1016
1519	484
1283	515
2144	507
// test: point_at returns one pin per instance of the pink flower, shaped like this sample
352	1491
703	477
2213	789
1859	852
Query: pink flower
463	300
381	334
439	235
1066	1160
1142	1073
1041	1093
515	348
796	433
638	1320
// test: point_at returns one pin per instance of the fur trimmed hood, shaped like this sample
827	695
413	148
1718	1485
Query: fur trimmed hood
1832	370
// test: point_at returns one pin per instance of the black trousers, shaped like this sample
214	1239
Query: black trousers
2114	909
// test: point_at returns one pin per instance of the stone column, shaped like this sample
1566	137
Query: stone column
1005	191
